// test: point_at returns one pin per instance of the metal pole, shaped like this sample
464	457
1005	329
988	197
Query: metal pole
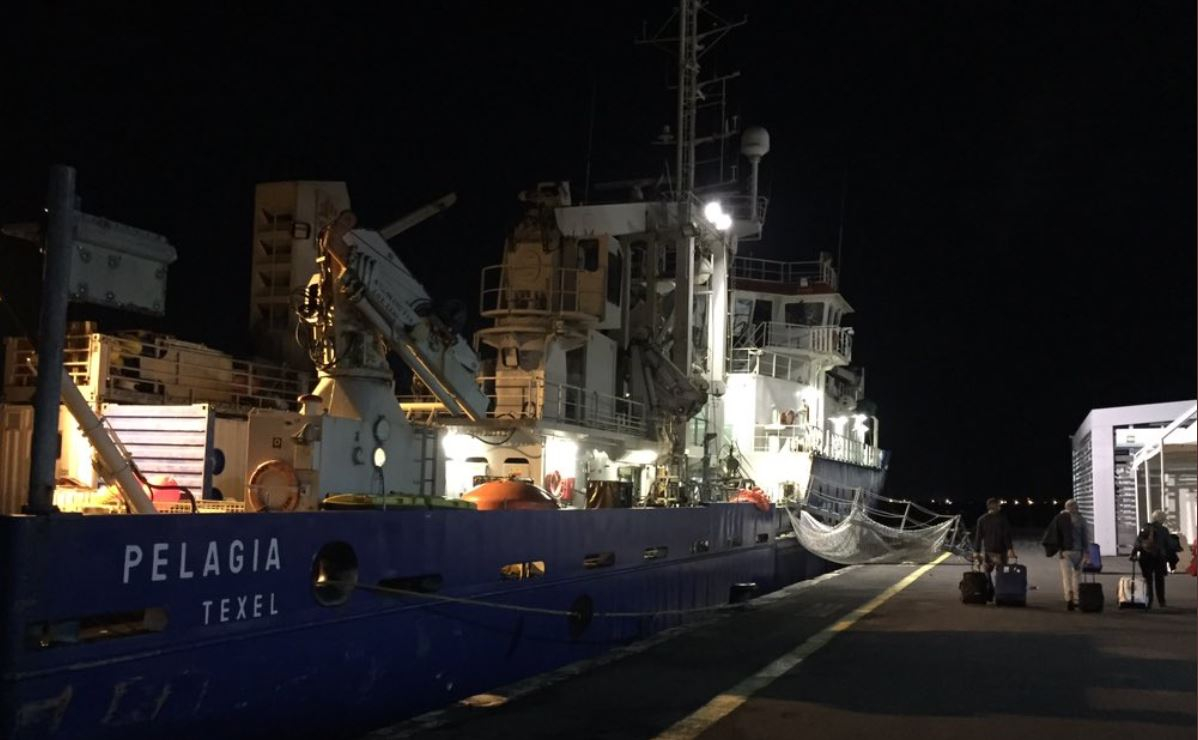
680	188
753	162
51	327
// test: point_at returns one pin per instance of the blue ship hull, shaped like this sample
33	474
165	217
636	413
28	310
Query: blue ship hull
238	645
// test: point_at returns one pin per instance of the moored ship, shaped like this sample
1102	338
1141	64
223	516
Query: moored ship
602	462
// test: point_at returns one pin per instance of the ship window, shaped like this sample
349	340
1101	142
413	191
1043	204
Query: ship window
700	546
656	553
96	627
588	254
522	571
576	366
510	357
734	542
807	314
763	537
637	253
599	560
763	311
615	275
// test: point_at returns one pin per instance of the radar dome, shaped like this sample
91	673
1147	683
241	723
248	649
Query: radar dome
755	142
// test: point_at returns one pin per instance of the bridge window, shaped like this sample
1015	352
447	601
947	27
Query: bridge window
615	275
588	254
805	313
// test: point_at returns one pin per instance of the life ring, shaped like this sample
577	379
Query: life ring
787	418
273	486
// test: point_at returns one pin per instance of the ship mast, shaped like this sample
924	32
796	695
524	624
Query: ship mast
688	88
689	45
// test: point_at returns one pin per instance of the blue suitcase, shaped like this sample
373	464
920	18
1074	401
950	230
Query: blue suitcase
1094	561
1010	585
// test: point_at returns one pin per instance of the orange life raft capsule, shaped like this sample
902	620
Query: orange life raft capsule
510	494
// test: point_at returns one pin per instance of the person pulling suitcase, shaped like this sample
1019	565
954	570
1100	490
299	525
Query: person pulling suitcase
992	545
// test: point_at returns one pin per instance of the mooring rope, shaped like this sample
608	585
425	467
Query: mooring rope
392	591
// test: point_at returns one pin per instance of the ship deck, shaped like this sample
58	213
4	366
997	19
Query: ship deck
872	651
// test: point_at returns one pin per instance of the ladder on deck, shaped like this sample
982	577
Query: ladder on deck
428	460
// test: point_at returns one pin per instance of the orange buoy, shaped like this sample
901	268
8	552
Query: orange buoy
510	494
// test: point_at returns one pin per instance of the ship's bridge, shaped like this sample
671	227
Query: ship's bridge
792	309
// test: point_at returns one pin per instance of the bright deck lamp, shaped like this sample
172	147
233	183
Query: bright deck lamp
714	213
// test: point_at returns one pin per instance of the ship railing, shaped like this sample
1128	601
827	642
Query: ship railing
534	399
845	449
152	369
740	207
560	290
786	438
755	361
800	273
829	340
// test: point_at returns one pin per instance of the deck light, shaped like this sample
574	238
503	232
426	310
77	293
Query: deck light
640	457
714	213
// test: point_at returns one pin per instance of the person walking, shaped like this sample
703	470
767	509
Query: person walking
992	546
1067	538
1154	550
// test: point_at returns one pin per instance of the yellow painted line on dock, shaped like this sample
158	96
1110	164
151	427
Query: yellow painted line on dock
721	706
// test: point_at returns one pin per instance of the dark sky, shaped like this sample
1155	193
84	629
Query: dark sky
1020	221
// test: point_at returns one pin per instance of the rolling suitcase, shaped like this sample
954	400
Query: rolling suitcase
1089	595
1133	593
975	587
1010	585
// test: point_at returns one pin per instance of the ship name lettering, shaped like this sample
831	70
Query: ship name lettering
239	608
218	557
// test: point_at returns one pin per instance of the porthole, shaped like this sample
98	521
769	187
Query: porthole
334	574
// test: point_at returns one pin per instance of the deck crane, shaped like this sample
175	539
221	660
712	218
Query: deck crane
362	303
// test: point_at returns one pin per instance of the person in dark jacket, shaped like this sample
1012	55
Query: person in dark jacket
1154	549
1067	538
992	544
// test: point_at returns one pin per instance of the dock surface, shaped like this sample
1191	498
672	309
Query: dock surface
884	651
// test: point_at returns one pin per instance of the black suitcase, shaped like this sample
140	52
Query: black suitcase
1010	585
975	587
1089	595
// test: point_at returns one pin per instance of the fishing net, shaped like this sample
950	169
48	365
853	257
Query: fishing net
858	530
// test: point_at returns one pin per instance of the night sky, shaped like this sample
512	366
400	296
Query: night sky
1020	214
